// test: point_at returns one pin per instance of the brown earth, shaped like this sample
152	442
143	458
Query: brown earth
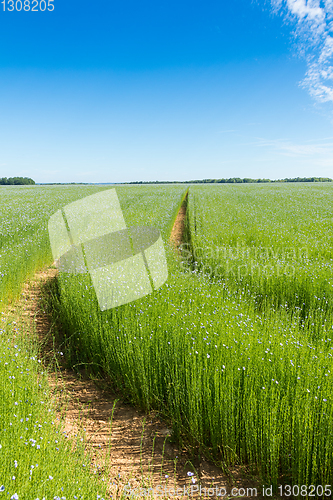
176	237
140	449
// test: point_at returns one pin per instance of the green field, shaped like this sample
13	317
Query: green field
235	349
275	242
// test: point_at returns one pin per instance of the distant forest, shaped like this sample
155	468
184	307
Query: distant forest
16	181
237	180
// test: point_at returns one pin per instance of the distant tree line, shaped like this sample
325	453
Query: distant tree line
69	183
16	181
247	180
10	181
237	180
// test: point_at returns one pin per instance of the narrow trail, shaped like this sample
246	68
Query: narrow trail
177	232
139	446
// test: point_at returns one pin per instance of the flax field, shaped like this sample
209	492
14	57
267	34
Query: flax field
235	349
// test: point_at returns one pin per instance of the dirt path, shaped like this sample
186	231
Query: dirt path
140	449
139	446
177	233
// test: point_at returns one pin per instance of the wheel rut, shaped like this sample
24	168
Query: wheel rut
177	236
136	442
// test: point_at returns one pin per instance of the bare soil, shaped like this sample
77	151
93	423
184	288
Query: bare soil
140	447
177	233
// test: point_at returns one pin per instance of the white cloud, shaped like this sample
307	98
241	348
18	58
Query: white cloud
322	150
314	41
311	8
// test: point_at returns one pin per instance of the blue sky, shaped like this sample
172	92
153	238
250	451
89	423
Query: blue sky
111	91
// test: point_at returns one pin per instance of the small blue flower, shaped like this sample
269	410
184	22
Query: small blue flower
2	488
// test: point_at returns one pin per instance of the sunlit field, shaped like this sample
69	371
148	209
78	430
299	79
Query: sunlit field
234	349
35	456
274	242
24	239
